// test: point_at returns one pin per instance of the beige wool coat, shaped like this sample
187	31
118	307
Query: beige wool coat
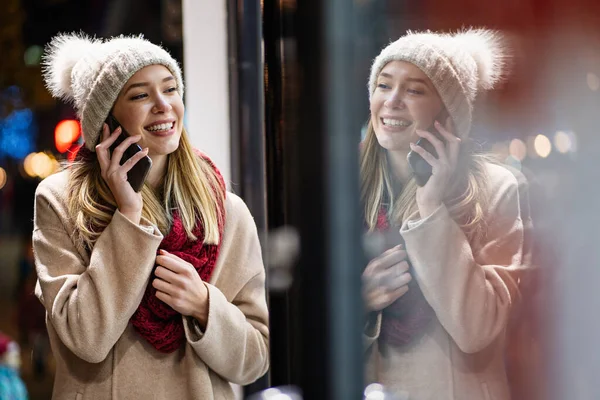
90	297
471	287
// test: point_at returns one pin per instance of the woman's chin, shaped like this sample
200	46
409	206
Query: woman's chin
394	145
164	149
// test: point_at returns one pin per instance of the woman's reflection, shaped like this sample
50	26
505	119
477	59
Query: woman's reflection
440	295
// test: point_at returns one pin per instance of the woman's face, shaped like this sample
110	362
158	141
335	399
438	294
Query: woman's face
150	105
404	99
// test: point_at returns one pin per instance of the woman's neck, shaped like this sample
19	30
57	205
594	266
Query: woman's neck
399	166
158	171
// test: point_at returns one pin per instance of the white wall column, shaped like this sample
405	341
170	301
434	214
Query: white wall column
207	79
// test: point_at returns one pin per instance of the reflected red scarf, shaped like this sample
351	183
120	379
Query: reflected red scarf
407	317
157	322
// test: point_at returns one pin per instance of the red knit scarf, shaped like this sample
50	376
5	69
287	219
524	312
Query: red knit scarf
407	317
157	322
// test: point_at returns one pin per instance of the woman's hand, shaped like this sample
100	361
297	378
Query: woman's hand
431	196
178	284
128	201
385	279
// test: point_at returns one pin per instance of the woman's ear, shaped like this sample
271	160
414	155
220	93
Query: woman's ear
442	116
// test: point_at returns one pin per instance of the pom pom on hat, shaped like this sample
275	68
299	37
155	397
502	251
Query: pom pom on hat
60	57
489	51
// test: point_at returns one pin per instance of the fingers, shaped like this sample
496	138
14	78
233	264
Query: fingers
164	297
172	273
166	275
110	162
392	256
389	279
437	143
452	141
427	156
128	165
387	259
379	300
108	138
163	286
396	294
108	135
390	251
398	281
165	253
169	263
446	131
398	270
173	263
115	160
102	149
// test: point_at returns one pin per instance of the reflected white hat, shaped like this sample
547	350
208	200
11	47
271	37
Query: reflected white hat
458	64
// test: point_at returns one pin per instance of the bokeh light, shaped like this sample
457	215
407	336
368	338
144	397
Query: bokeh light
65	134
565	142
3	177
17	131
518	149
593	81
542	146
33	55
40	165
562	142
27	163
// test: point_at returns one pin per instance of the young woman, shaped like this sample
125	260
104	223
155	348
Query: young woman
439	300
151	294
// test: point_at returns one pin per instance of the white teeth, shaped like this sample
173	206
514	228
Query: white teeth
161	127
396	122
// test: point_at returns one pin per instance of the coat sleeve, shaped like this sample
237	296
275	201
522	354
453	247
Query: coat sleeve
89	304
235	343
471	294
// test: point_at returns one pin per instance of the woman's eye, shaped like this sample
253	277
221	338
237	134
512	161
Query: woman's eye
170	90
414	91
139	96
383	86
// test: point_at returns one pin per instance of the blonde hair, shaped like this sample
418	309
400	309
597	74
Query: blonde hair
467	197
191	186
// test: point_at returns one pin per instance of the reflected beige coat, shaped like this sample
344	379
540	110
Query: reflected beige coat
90	297
471	288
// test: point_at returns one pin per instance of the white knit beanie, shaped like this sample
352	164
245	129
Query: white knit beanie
90	73
458	64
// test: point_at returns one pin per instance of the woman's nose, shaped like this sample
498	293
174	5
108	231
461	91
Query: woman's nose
162	105
395	100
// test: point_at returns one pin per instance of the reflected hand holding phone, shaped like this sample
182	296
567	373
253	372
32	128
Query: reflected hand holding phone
138	174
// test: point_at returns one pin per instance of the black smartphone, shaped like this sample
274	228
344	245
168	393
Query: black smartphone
136	175
421	168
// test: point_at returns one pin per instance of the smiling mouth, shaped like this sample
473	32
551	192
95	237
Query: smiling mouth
401	123
158	128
